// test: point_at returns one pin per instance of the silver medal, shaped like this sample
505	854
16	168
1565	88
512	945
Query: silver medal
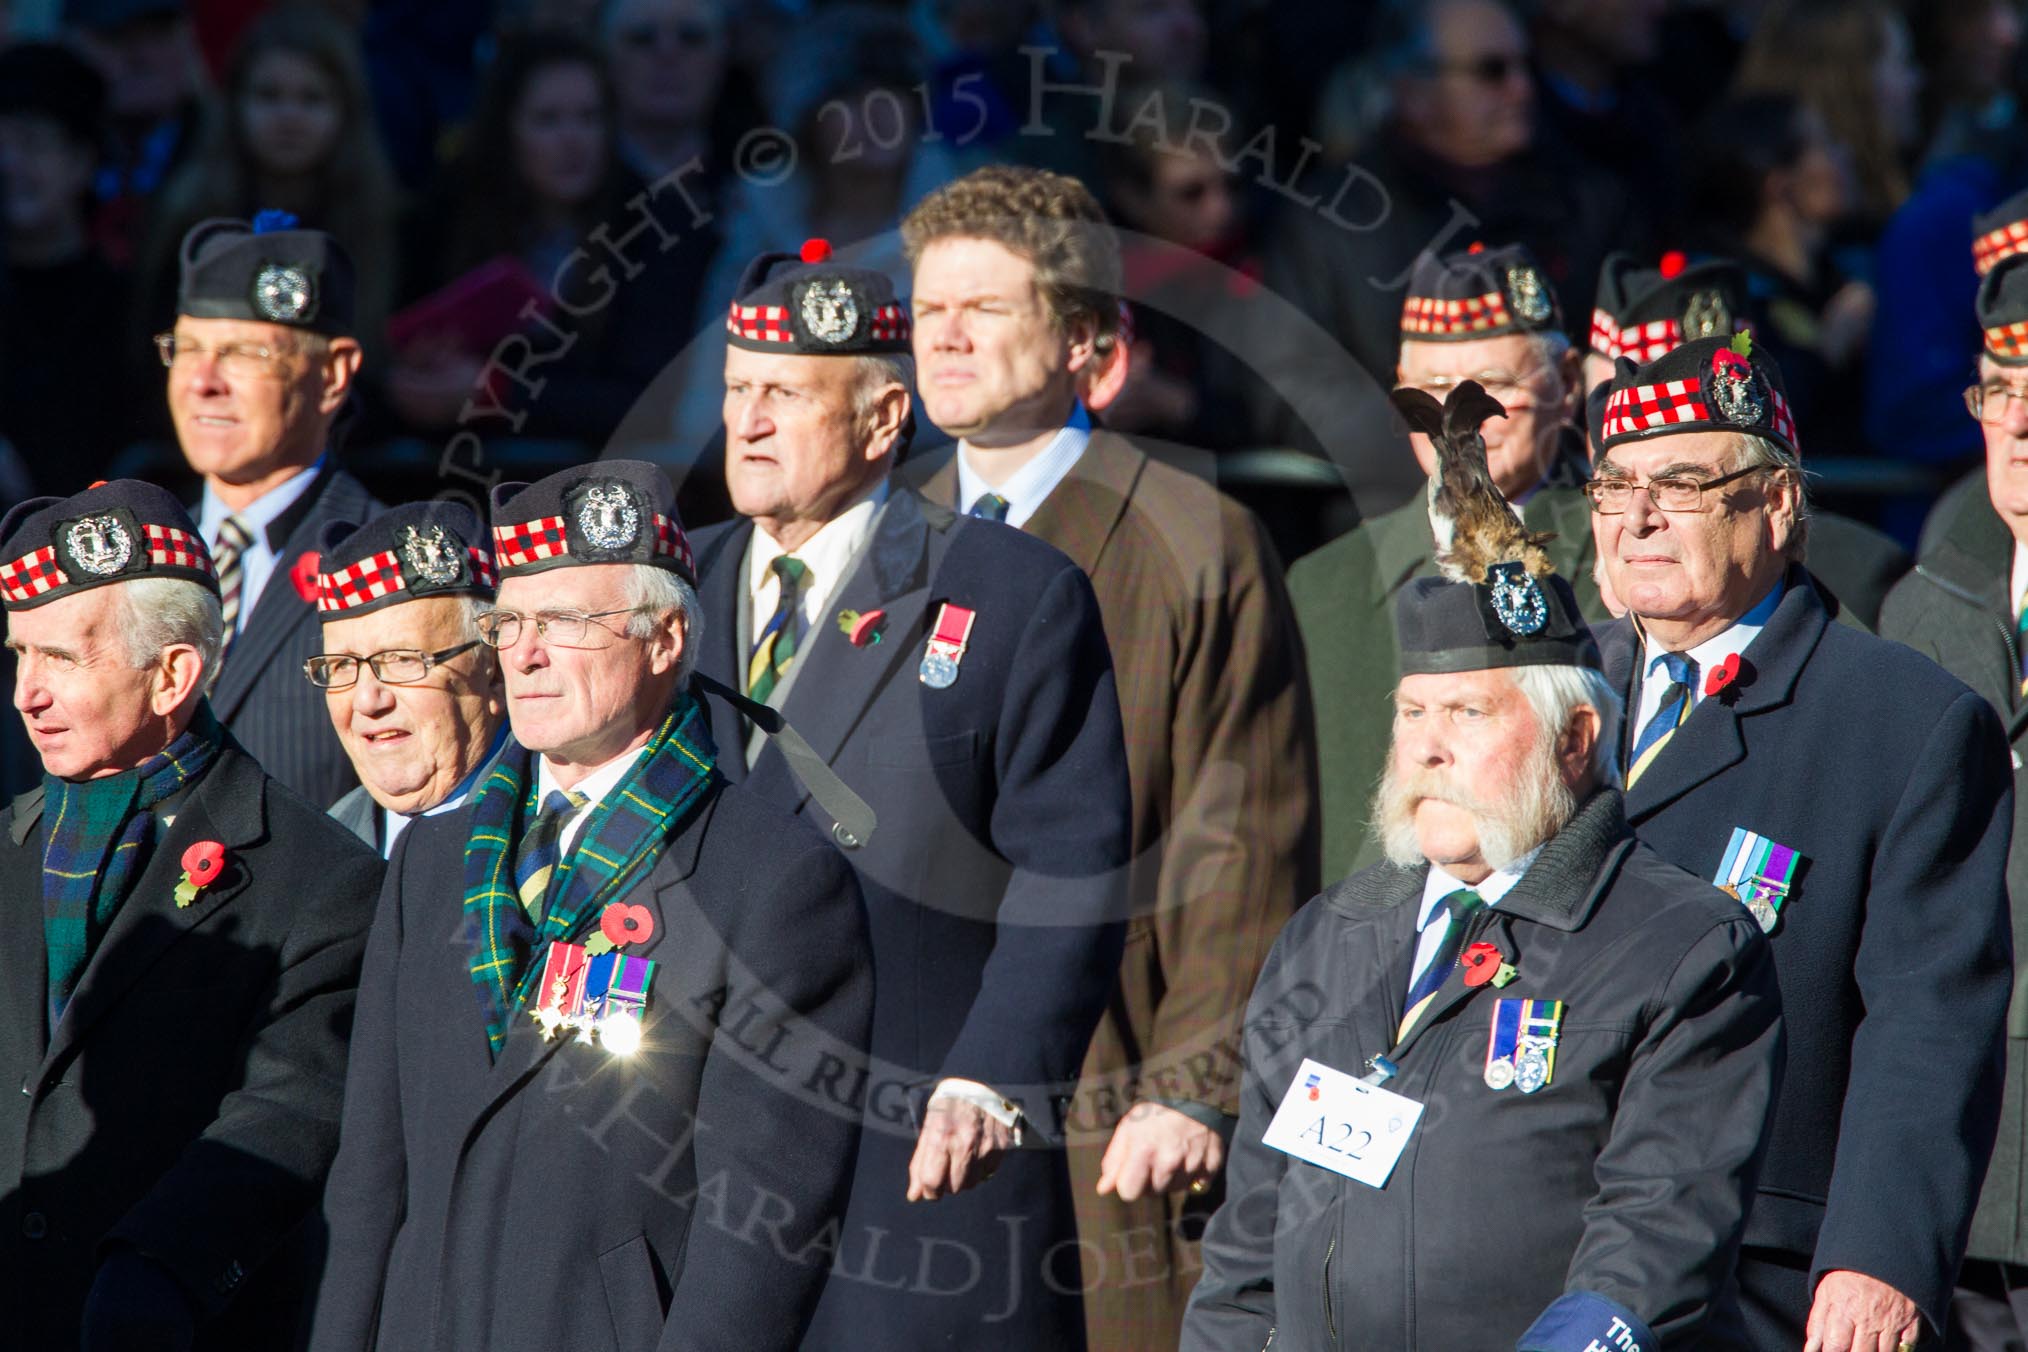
1499	1074
938	670
1532	1072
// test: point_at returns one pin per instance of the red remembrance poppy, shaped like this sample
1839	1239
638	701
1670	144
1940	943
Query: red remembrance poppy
304	576
1722	674
623	924
1481	962
204	861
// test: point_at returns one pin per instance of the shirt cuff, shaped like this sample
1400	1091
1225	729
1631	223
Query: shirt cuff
983	1097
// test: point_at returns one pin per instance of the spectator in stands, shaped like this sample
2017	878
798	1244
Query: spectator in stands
148	54
1592	58
538	174
1976	42
293	131
1161	39
1442	152
1852	62
61	406
669	76
1768	183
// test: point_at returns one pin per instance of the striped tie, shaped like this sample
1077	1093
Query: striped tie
990	507
1669	714
775	649
227	554
541	848
1458	909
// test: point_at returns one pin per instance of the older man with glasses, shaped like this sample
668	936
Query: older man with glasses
412	690
1964	605
1484	314
1856	800
576	1110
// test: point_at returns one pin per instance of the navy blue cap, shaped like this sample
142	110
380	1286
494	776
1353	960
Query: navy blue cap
407	553
270	270
812	306
116	531
612	511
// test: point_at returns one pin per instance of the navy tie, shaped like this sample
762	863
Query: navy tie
1669	714
1459	907
990	507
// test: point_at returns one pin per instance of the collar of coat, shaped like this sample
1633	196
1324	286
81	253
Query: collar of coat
1777	654
1560	889
1968	548
235	819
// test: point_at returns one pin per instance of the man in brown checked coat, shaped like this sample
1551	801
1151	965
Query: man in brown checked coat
1014	274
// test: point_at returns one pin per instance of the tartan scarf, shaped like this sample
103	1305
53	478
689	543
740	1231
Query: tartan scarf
95	832
621	839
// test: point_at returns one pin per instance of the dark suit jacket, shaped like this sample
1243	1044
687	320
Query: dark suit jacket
562	1197
993	885
262	694
188	1102
1628	1174
1344	598
1957	607
1217	716
1890	778
1855	563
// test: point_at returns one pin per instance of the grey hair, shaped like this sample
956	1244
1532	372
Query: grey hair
657	591
875	371
1554	693
1758	452
161	612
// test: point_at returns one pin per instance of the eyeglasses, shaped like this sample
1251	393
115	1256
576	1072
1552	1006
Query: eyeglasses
564	628
1671	493
643	37
1512	391
244	360
1992	402
1492	69
393	666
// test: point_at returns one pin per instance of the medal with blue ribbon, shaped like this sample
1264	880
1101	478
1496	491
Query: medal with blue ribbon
1501	1045
1758	872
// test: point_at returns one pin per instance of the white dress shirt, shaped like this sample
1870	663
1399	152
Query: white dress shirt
257	561
1433	922
1026	487
826	555
2018	588
1706	655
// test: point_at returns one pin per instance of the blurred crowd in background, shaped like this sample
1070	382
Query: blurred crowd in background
1268	164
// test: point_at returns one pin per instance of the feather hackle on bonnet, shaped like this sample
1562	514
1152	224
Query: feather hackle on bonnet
1473	524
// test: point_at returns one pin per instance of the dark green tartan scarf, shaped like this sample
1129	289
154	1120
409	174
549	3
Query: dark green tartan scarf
625	834
94	833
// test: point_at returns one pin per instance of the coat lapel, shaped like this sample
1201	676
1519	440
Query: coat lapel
1713	738
719	581
278	609
24	965
839	682
1081	513
229	806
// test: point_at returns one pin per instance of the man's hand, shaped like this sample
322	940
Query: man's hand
959	1148
1857	1313
1157	1149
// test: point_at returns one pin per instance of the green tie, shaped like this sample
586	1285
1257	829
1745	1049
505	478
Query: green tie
776	646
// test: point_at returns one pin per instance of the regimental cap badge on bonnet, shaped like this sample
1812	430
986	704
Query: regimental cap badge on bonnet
2000	233
407	553
1723	384
810	304
2003	311
1643	312
1498	602
613	511
112	532
270	270
1478	292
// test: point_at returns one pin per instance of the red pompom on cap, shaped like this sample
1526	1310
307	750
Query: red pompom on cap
816	250
1477	246
1673	263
